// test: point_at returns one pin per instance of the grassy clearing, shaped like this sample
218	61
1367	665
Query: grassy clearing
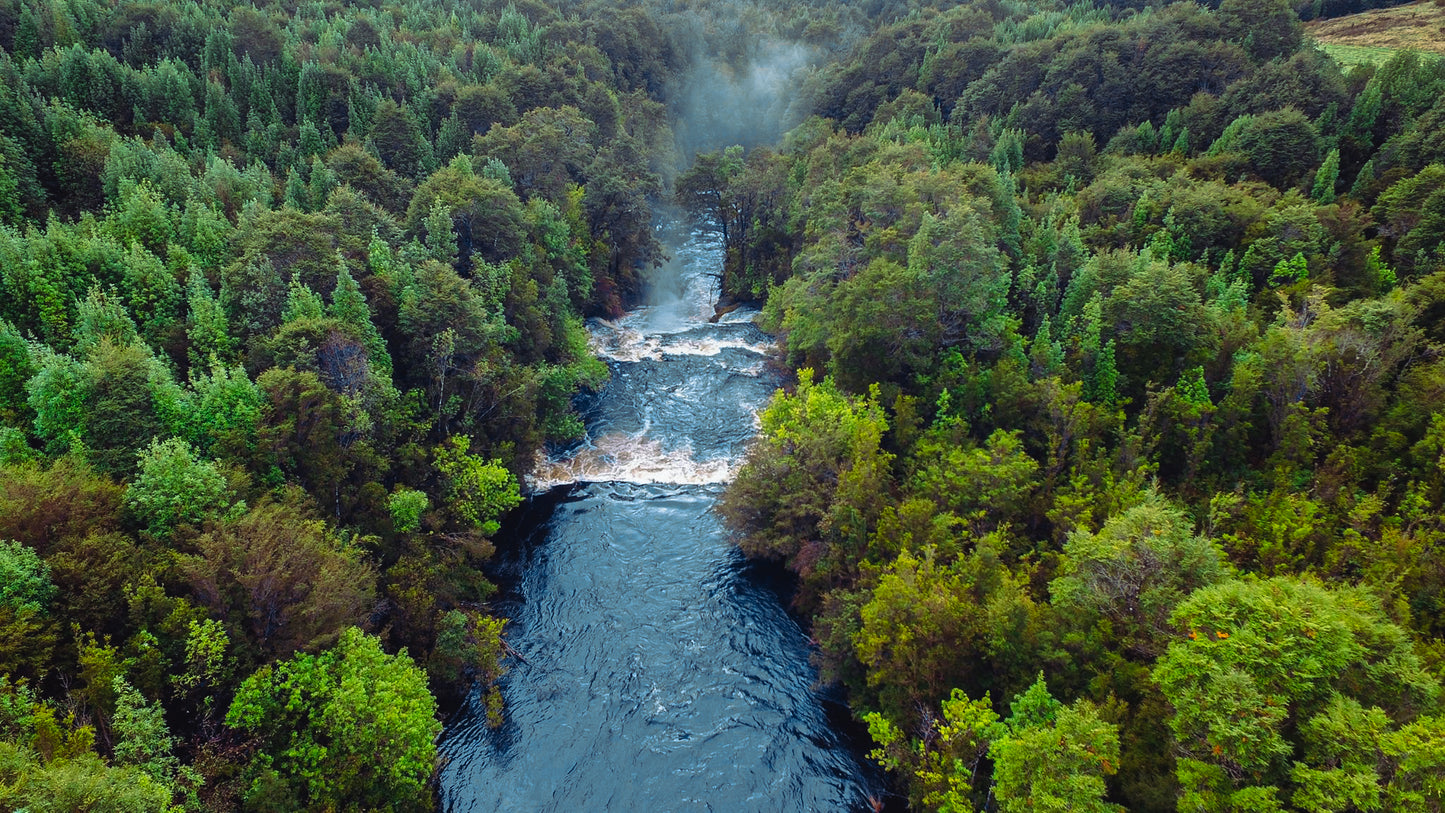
1348	55
1373	36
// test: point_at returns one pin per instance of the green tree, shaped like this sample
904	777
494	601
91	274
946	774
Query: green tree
302	303
278	575
348	305
132	400
208	332
469	644
1290	271
16	369
1053	757
1135	570
486	216
24	579
224	410
947	764
352	726
355	167
704	189
479	491
984	485
152	295
1326	178
1058	764
1281	145
1257	659
1267	28
400	142
441	238
302	431
173	486
115	402
1161	316
101	316
253	296
79	782
883	326
12	207
549	148
813	483
143	739
406	506
920	616
206	663
449	327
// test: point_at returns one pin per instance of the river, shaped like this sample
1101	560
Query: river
658	669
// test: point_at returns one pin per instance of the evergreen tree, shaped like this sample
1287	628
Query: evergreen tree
348	306
208	331
301	303
1326	178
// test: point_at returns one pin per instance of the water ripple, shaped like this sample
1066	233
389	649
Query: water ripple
658	674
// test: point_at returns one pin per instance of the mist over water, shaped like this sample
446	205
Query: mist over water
658	670
720	103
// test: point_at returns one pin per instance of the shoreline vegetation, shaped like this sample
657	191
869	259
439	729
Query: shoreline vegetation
1111	477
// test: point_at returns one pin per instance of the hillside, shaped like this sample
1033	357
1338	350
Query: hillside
1373	36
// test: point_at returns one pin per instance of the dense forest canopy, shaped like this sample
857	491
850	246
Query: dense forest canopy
1111	476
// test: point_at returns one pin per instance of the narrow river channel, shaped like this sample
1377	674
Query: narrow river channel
661	671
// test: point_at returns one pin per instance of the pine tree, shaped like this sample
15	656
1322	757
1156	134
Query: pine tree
1173	124
301	303
296	196
441	239
453	138
310	93
208	333
1106	377
1295	269
1008	153
310	141
101	316
12	209
321	185
348	305
1193	389
1363	180
151	294
16	368
1326	178
1181	144
1046	356
1146	137
221	116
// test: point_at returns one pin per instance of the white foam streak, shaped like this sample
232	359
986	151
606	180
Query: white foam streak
625	344
629	458
652	333
675	324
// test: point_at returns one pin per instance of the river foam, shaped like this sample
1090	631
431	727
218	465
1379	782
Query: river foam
657	669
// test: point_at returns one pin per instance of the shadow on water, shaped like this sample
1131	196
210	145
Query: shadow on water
659	670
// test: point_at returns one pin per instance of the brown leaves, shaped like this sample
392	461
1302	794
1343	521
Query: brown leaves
278	568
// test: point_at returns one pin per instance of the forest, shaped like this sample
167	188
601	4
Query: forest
1110	475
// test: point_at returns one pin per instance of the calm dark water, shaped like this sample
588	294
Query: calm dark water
661	671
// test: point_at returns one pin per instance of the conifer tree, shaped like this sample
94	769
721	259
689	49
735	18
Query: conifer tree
208	333
1326	177
348	305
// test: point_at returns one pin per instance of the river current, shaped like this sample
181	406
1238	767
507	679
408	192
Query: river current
657	669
